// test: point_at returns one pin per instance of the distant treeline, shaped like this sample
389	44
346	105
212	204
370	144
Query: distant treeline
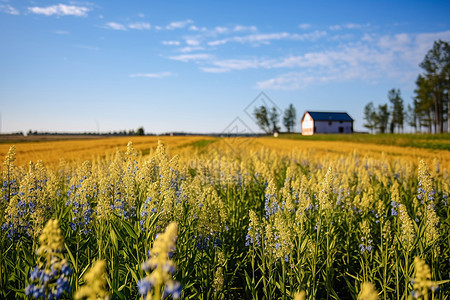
128	133
430	108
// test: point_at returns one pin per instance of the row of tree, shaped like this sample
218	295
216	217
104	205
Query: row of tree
268	119
430	108
385	116
139	131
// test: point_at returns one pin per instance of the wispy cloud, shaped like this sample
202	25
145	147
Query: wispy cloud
240	28
266	38
171	43
369	57
304	26
61	32
60	10
152	75
140	26
115	26
190	49
195	28
348	26
8	9
192	42
192	57
288	81
87	47
179	24
374	57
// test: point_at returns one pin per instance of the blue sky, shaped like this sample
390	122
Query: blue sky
195	66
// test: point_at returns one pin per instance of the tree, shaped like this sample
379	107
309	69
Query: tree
370	115
262	118
289	119
382	118
411	116
140	131
397	109
423	104
274	119
434	83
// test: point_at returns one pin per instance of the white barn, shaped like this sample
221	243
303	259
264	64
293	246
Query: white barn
326	122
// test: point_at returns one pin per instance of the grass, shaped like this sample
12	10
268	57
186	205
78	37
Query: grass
424	141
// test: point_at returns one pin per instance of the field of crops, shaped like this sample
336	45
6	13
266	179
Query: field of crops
210	218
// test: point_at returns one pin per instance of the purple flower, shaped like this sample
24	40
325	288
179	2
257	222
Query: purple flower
144	287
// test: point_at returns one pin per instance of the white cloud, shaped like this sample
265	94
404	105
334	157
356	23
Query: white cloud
218	42
213	70
8	9
239	28
303	79
141	15
355	56
115	26
237	64
221	30
195	28
179	24
348	26
140	26
190	49
171	43
389	56
304	26
335	27
288	81
352	26
62	32
192	57
60	10
152	75
266	38
192	42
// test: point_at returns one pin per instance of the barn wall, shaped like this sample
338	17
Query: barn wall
307	125
333	127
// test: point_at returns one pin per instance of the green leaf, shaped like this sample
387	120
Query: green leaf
129	229
113	237
72	259
133	274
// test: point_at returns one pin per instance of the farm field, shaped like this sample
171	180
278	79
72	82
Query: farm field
53	149
210	218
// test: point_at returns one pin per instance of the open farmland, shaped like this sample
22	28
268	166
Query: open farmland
54	149
246	218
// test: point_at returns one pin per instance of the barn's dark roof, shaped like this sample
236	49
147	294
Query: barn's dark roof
330	116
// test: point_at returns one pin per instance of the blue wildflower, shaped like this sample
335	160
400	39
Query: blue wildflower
173	289
144	287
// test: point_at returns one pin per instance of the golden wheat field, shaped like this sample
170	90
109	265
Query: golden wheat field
78	150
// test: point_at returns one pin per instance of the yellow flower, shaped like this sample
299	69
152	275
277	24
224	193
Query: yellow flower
300	295
162	267
422	279
368	292
95	282
51	240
